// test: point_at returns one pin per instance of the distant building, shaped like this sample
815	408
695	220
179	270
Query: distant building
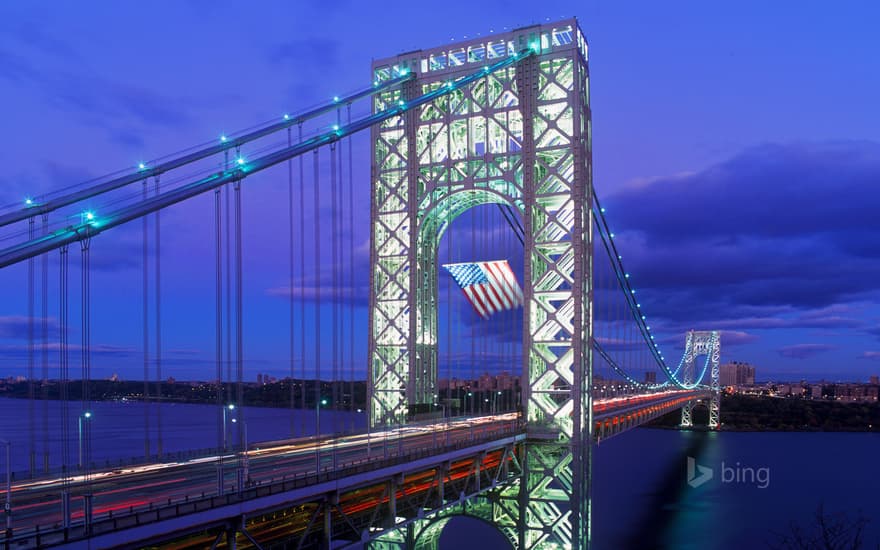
651	377
816	391
875	380
737	374
505	381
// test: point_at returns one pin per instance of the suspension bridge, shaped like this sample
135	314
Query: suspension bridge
478	150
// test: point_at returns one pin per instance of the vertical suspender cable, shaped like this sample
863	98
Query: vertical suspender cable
146	329
334	281
338	292
32	439
218	317
44	304
239	352
228	299
158	334
302	286
290	282
86	358
484	345
449	313
351	292
338	377
317	254
64	390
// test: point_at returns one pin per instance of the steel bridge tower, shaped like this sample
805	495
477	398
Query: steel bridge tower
706	343
519	136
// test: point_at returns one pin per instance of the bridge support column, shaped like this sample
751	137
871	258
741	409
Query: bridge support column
555	492
686	415
688	378
391	275
715	383
519	135
328	525
706	343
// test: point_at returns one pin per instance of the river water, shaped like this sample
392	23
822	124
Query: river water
760	483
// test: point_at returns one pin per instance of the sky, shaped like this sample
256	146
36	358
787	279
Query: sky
736	147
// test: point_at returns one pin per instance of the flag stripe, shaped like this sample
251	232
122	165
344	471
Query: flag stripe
498	274
475	301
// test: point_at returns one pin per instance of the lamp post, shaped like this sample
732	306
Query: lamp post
230	407
226	409
87	415
318	404
8	506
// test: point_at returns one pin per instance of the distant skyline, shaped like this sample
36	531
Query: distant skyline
736	148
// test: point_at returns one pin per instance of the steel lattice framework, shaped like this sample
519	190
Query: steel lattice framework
706	343
519	136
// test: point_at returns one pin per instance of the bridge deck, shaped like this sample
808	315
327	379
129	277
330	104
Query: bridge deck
155	501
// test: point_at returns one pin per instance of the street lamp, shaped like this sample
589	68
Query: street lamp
318	404
230	407
226	409
79	423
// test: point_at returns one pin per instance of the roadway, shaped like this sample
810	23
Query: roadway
121	491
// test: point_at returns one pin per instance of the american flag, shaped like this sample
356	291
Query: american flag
489	286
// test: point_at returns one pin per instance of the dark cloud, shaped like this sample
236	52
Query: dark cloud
804	351
775	237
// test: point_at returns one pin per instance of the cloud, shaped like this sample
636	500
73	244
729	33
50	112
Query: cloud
777	237
804	351
327	294
737	338
97	98
872	355
95	349
17	327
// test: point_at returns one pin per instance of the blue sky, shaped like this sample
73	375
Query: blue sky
736	146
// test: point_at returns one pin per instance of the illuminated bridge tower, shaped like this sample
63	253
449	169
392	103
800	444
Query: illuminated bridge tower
518	135
706	343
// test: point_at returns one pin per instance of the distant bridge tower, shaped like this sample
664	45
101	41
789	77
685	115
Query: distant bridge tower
706	343
518	136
